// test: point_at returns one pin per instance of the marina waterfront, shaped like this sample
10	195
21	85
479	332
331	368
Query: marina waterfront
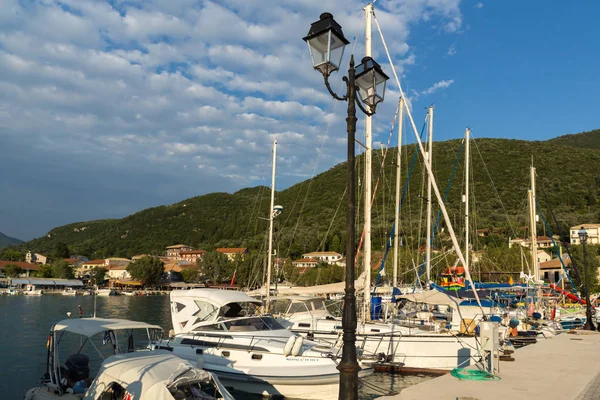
25	322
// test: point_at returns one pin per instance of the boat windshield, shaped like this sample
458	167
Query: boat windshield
238	309
253	324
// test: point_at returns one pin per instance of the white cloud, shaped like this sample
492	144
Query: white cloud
443	84
479	5
451	51
148	86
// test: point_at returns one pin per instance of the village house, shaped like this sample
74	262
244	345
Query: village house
233	252
36	258
116	262
118	272
542	256
542	242
551	271
85	267
593	231
191	255
173	251
329	257
305	263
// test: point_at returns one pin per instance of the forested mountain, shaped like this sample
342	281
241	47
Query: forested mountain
500	179
6	241
585	140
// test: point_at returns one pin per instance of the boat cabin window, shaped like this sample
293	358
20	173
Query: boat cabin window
297	308
113	392
235	310
253	324
206	311
318	304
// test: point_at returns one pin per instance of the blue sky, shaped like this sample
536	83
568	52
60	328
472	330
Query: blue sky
107	108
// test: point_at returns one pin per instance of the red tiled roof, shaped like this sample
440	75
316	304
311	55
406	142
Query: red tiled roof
555	264
232	250
94	262
306	260
71	260
22	264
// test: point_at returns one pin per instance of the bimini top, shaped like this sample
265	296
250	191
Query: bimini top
92	326
431	297
215	296
147	375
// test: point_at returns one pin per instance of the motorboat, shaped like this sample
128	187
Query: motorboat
30	290
105	292
250	352
127	371
69	291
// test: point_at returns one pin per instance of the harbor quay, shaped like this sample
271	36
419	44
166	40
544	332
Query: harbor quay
565	367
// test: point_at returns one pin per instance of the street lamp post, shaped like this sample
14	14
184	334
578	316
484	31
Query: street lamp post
589	323
326	44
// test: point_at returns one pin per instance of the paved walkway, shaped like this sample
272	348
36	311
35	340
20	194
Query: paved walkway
592	391
566	367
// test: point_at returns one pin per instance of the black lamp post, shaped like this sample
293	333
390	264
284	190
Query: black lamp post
326	43
589	323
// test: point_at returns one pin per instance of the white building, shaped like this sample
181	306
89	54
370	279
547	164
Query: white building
329	257
173	251
35	258
593	231
118	272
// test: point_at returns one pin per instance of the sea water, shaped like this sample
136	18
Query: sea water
25	322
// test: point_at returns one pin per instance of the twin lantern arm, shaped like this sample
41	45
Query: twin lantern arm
326	43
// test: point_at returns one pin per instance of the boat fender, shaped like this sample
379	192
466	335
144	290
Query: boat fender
297	346
287	349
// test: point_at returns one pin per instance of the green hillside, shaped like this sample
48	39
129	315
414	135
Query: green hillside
6	241
585	140
308	222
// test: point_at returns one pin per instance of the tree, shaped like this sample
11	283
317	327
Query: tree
148	270
11	254
215	266
62	270
190	274
98	275
45	271
592	268
60	251
12	270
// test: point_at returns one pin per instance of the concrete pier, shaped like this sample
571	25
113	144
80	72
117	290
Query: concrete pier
564	367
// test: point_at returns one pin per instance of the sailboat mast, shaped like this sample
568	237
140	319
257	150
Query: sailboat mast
271	216
368	165
467	161
397	209
428	161
532	225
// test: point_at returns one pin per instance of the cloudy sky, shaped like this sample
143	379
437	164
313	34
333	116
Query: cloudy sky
109	107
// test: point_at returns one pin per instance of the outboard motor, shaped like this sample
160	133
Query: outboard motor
78	367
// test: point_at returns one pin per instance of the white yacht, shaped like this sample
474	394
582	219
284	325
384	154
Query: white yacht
252	353
133	375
